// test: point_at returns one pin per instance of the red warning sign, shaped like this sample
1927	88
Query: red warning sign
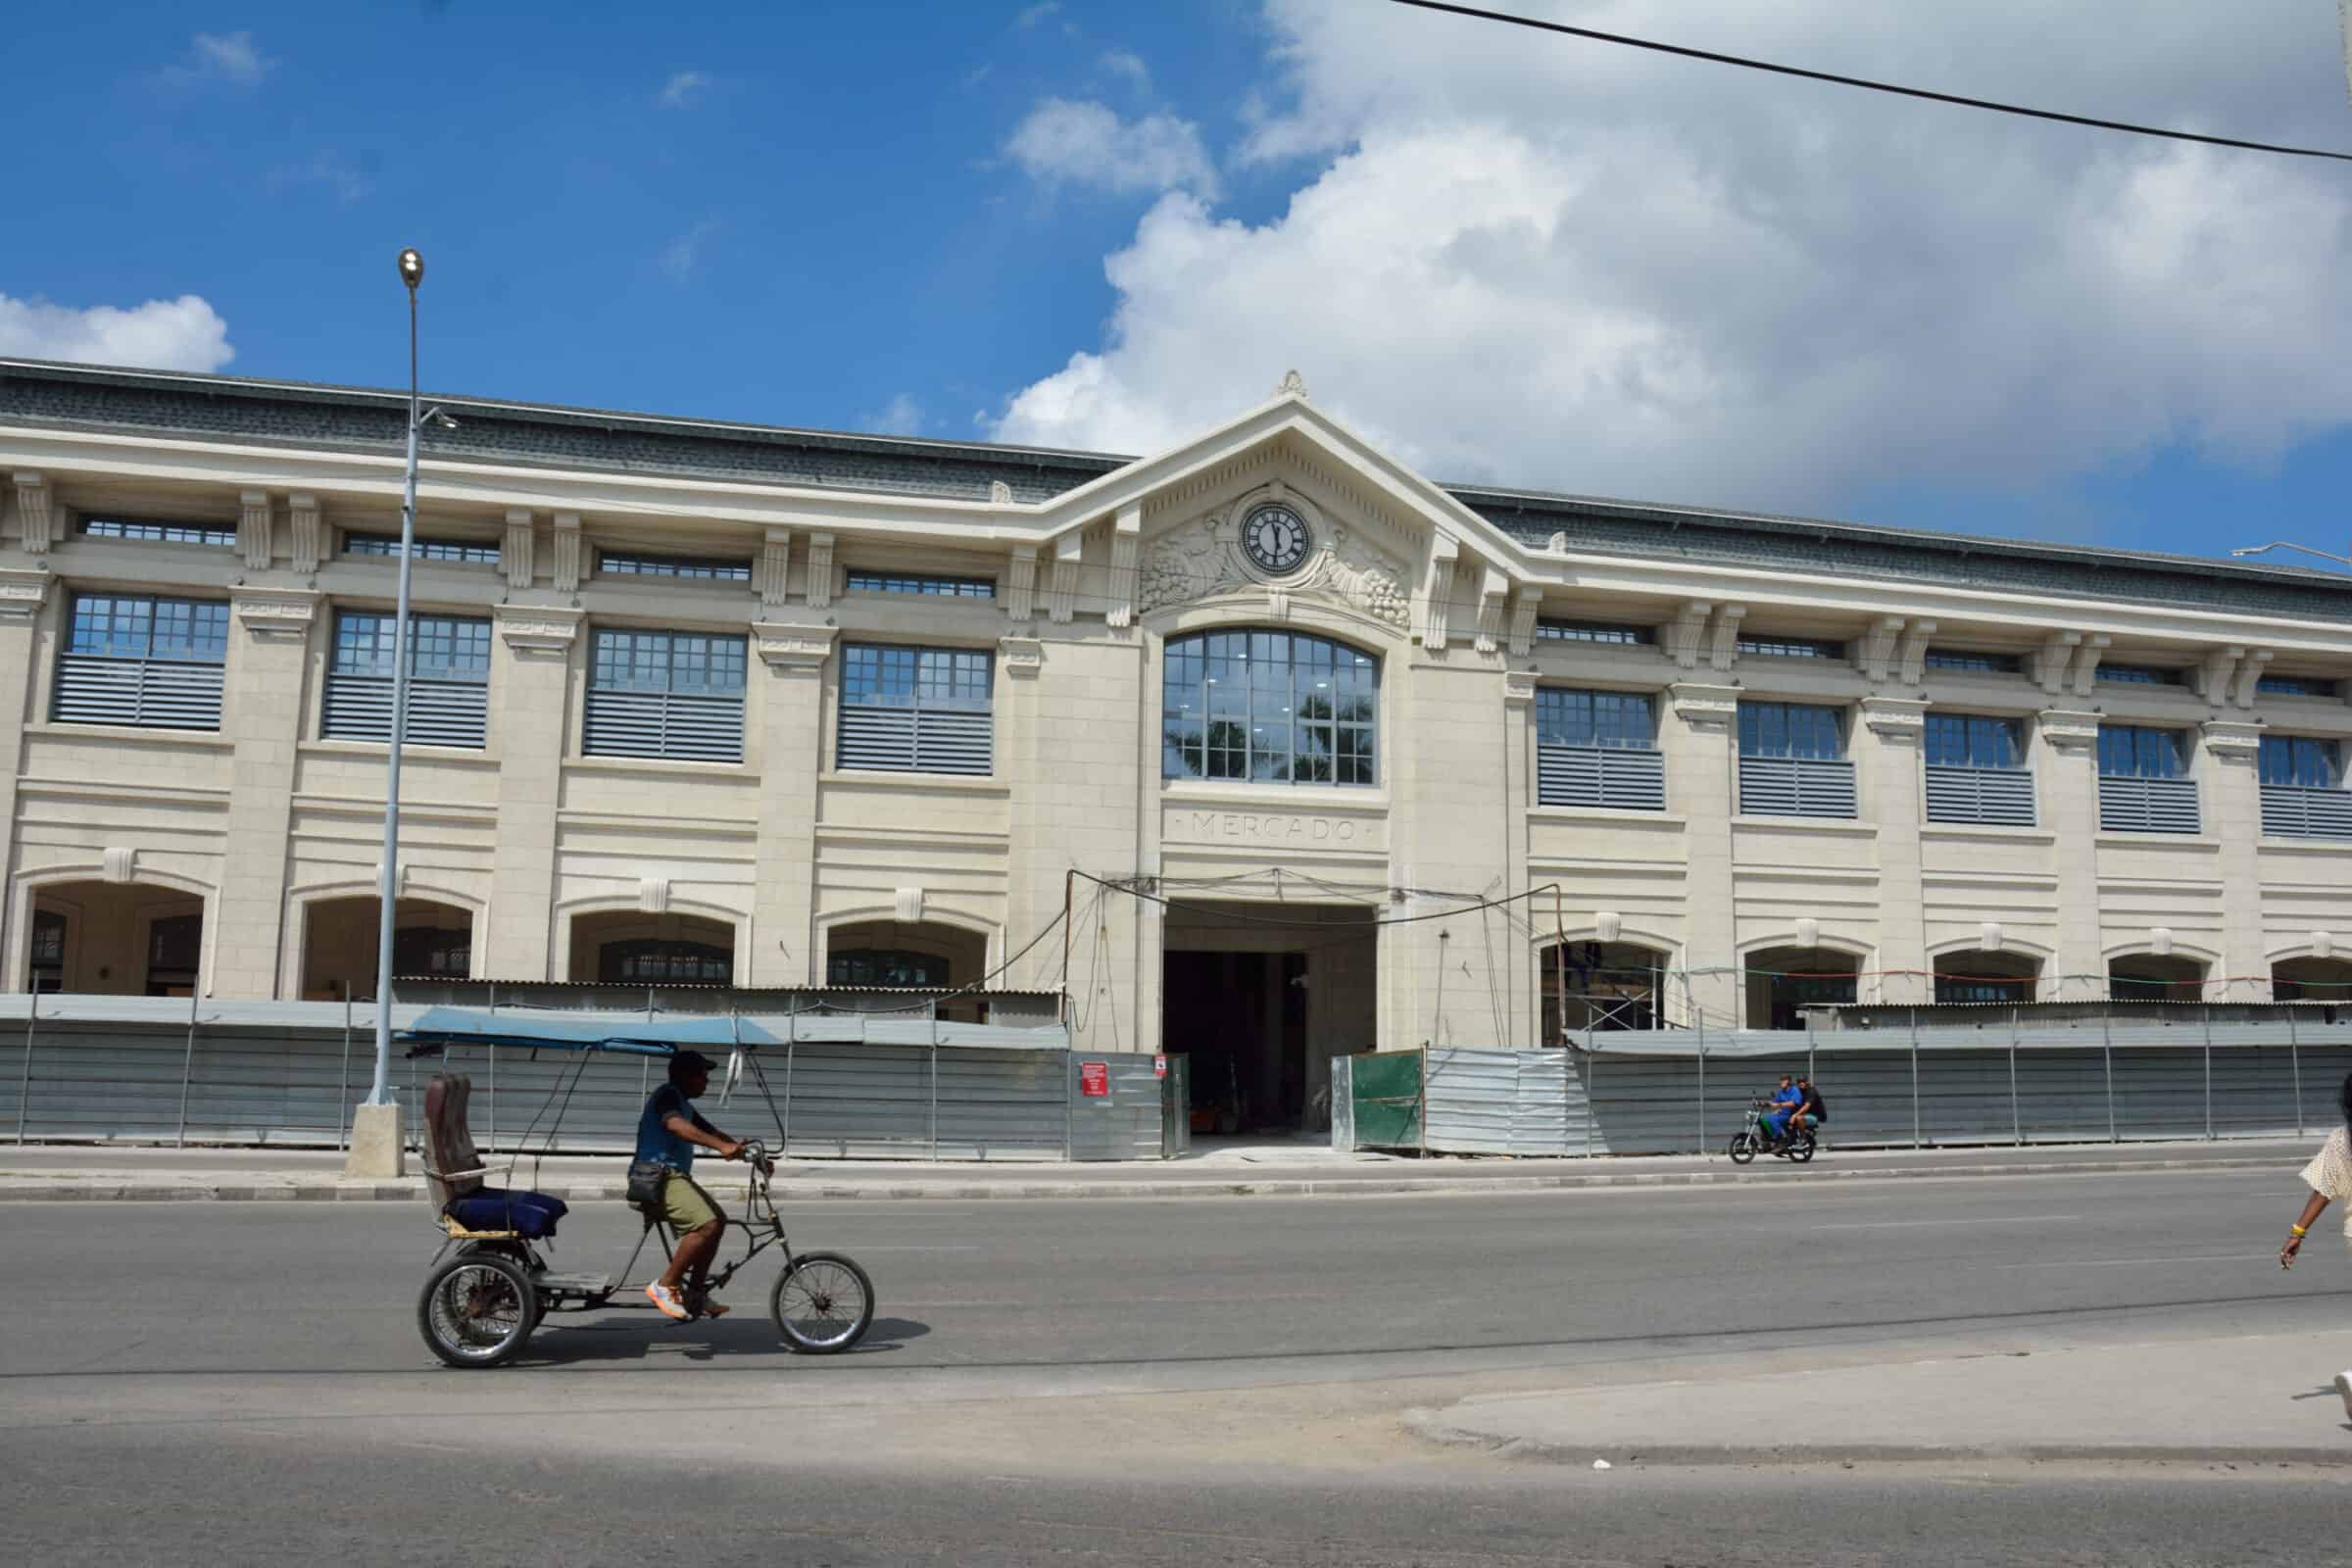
1093	1080
1159	1066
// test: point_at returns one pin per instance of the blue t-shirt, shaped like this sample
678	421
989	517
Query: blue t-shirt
656	1141
1791	1095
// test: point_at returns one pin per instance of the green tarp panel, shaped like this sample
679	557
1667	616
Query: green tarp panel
1387	1089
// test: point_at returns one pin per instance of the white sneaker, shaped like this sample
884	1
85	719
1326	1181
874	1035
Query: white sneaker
2343	1390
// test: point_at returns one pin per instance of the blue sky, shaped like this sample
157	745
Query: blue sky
1516	260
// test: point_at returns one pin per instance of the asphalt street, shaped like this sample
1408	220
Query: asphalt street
1195	1380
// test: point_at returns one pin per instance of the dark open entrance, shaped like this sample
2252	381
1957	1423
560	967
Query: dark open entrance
1261	996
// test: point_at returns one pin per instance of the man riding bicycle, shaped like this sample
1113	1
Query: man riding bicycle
668	1133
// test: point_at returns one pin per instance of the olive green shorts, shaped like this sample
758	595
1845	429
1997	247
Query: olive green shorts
685	1205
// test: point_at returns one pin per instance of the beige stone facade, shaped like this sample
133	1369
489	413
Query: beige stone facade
526	856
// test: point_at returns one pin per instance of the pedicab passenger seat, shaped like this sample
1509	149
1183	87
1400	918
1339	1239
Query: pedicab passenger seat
452	1176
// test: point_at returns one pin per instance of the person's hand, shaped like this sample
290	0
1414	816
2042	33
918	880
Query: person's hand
731	1151
2287	1254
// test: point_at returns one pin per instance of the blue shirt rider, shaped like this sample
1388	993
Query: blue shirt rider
1785	1103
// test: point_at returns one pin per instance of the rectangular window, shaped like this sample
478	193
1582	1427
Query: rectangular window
917	710
629	563
476	552
2294	686
1793	760
449	680
1976	770
1791	648
1592	631
1969	662
1598	749
670	694
2302	789
152	663
223	535
894	582
2144	785
2139	676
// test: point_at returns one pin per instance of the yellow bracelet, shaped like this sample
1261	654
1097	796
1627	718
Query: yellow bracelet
2299	1230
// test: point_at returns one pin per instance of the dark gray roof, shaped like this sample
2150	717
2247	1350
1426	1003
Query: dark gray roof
306	414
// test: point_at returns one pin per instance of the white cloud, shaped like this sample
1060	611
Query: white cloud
181	334
1537	260
1031	16
1130	64
903	416
222	57
682	89
1088	144
325	170
681	255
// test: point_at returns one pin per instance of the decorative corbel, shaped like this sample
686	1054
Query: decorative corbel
1723	642
2249	676
2049	660
2232	740
538	628
1020	657
1895	718
1493	593
1518	687
773	569
23	592
33	514
1914	656
568	553
306	532
790	649
1873	650
1126	543
1704	706
821	571
1020	588
276	612
1686	632
2088	654
2214	671
516	549
1524	609
253	529
1069	554
2066	729
1438	591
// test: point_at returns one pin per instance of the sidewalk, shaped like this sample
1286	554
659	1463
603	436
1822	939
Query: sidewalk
2257	1399
1270	1167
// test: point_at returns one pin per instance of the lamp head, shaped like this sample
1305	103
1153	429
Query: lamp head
412	267
2256	551
444	420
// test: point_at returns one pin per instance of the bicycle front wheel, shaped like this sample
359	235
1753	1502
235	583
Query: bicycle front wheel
822	1304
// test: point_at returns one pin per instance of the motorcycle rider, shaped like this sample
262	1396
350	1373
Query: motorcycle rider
1785	1101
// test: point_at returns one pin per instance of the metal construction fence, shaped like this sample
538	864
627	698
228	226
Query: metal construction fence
2012	1082
288	1074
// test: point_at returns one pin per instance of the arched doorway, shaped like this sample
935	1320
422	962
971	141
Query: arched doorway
625	946
2312	980
1610	985
430	940
2155	977
1980	975
116	939
922	953
1781	982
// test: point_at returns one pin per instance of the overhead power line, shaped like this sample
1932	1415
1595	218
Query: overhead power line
1868	85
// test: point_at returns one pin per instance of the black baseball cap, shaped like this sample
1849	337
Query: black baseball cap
686	1061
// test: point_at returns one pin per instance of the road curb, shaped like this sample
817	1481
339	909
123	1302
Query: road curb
246	1187
1432	1427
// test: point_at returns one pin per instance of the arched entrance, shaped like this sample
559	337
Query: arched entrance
1978	975
627	947
924	954
116	939
1783	981
430	940
2312	980
1611	985
2155	977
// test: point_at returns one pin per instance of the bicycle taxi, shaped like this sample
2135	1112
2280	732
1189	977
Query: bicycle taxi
490	1283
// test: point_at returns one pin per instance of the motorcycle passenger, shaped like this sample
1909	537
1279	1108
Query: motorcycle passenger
1785	1103
1810	1111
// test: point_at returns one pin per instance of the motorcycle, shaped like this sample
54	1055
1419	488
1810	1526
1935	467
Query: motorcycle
1752	1139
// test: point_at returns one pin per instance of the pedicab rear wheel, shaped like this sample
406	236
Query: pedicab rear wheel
477	1310
821	1303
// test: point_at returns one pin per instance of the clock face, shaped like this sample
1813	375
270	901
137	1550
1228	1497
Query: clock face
1275	538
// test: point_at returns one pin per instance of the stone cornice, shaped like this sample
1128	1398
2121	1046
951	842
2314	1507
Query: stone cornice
2232	740
793	647
1704	703
1895	717
23	592
278	611
539	628
2068	729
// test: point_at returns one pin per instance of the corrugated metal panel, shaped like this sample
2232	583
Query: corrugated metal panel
1343	1104
2148	805
358	708
1126	1124
706	729
2306	813
1797	786
1980	795
153	693
1601	775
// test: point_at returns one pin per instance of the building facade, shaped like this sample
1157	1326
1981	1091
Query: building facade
1318	755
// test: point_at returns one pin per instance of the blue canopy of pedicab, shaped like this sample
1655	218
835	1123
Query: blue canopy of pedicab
440	1027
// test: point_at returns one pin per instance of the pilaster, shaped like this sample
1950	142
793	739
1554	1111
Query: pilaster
789	701
22	597
2068	793
2231	790
1702	788
263	716
1892	789
535	655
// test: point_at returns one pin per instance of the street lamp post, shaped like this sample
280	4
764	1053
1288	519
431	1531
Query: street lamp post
376	1145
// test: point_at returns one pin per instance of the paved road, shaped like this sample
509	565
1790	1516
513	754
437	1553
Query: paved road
1189	1381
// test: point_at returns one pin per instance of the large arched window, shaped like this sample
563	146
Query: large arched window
1271	706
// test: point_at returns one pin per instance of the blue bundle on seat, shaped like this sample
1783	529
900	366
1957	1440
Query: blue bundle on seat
530	1215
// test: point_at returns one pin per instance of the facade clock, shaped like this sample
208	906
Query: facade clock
1275	538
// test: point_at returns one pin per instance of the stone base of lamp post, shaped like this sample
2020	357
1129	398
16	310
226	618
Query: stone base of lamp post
376	1150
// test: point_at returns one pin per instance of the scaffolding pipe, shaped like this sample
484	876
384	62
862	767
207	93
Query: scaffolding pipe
1915	1138
343	1130
2209	1072
2017	1122
2107	1060
2294	1061
187	1070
